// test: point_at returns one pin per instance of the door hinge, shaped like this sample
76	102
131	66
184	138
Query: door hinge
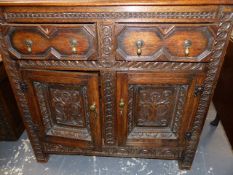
188	136
23	87
198	90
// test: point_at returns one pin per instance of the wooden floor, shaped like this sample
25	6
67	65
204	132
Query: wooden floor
214	157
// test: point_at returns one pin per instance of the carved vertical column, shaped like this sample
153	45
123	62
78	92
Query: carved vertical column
108	80
106	41
15	80
223	34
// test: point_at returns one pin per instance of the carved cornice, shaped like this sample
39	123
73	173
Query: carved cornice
111	15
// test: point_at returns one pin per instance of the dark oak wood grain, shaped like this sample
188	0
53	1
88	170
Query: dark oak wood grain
73	41
137	83
164	42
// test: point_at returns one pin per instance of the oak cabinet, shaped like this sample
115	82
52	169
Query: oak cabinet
115	78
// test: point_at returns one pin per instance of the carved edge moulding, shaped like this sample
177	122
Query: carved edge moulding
108	85
113	15
223	34
31	126
151	13
185	157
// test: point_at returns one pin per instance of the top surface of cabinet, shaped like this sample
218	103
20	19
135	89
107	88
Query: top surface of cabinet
112	2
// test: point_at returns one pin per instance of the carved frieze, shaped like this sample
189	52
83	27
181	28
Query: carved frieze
116	65
111	15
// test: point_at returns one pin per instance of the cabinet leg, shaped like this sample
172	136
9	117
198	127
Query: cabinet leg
184	165
42	158
215	122
37	147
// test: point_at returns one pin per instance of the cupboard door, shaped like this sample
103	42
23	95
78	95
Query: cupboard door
155	109
66	107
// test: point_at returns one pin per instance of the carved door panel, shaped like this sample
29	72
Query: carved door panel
65	105
155	109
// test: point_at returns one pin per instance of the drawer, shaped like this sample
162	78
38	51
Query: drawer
164	42
75	42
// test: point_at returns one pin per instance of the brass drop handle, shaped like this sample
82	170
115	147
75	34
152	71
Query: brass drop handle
187	46
74	43
139	45
28	44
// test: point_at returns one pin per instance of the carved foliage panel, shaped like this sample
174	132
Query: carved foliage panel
154	111
64	110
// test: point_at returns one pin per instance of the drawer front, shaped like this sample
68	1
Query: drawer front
76	42
166	42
